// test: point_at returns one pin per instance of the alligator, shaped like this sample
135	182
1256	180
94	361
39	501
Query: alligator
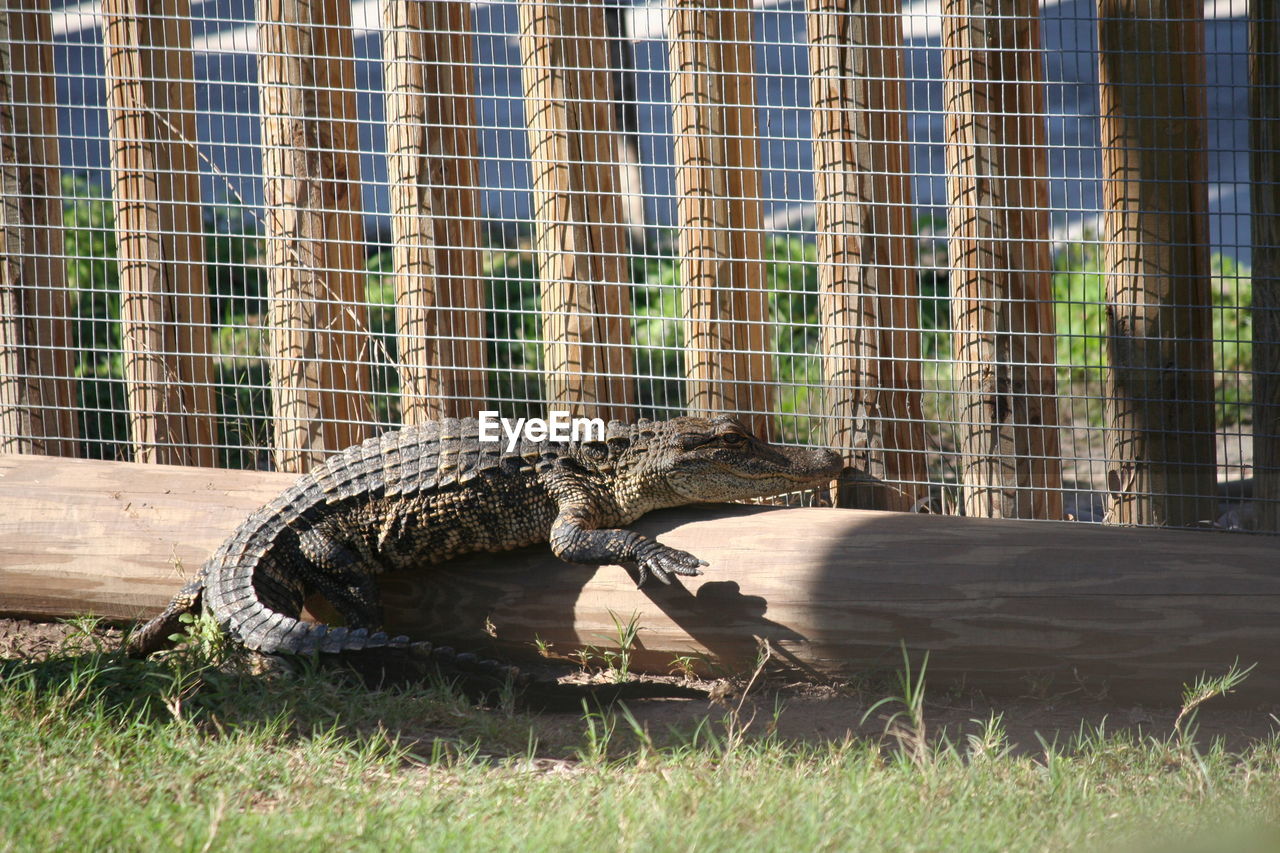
429	492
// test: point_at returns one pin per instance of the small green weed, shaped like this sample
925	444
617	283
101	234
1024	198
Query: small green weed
616	661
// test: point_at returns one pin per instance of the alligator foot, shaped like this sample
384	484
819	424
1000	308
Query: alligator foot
662	562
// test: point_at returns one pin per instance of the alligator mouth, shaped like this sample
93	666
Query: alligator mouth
790	476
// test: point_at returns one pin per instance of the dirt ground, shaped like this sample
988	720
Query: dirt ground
824	713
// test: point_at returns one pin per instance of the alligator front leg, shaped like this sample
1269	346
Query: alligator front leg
573	539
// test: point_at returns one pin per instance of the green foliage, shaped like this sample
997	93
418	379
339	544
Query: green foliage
616	660
1080	313
234	264
514	327
1232	340
1080	308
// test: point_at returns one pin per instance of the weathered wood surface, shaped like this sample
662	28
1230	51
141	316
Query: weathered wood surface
315	243
728	366
1001	264
155	192
867	292
1000	604
1264	223
37	364
582	241
1160	409
432	175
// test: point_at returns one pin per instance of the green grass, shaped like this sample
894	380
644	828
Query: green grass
97	752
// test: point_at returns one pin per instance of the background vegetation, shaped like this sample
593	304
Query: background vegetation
237	284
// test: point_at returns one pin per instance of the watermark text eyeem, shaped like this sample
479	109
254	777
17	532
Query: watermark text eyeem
559	427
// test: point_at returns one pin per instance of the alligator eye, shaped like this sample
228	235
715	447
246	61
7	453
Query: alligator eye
732	438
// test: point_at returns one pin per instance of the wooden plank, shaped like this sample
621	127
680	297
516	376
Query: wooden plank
999	603
435	225
728	358
1264	194
37	362
866	252
1001	265
582	241
1160	420
164	310
315	239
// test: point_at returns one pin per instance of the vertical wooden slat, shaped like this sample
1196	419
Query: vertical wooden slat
37	388
626	114
1264	189
164	310
728	358
581	231
431	170
1159	386
889	250
315	244
866	277
1001	264
846	298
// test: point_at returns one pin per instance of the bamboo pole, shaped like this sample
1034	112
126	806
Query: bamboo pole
431	170
315	245
721	244
37	365
1001	265
1264	188
996	602
1160	391
164	310
582	243
866	277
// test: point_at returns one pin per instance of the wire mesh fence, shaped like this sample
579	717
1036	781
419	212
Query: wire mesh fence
1000	253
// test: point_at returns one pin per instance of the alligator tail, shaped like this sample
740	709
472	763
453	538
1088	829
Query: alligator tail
156	634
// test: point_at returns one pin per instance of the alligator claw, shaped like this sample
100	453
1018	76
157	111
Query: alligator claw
662	562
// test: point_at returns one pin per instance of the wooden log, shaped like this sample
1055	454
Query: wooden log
435	224
721	242
1001	267
37	360
1264	193
866	251
315	241
164	309
1004	605
582	239
1160	416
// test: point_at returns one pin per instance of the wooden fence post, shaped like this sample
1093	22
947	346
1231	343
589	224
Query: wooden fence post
1001	264
37	366
315	242
866	251
164	310
728	349
431	170
1264	189
1159	387
582	240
